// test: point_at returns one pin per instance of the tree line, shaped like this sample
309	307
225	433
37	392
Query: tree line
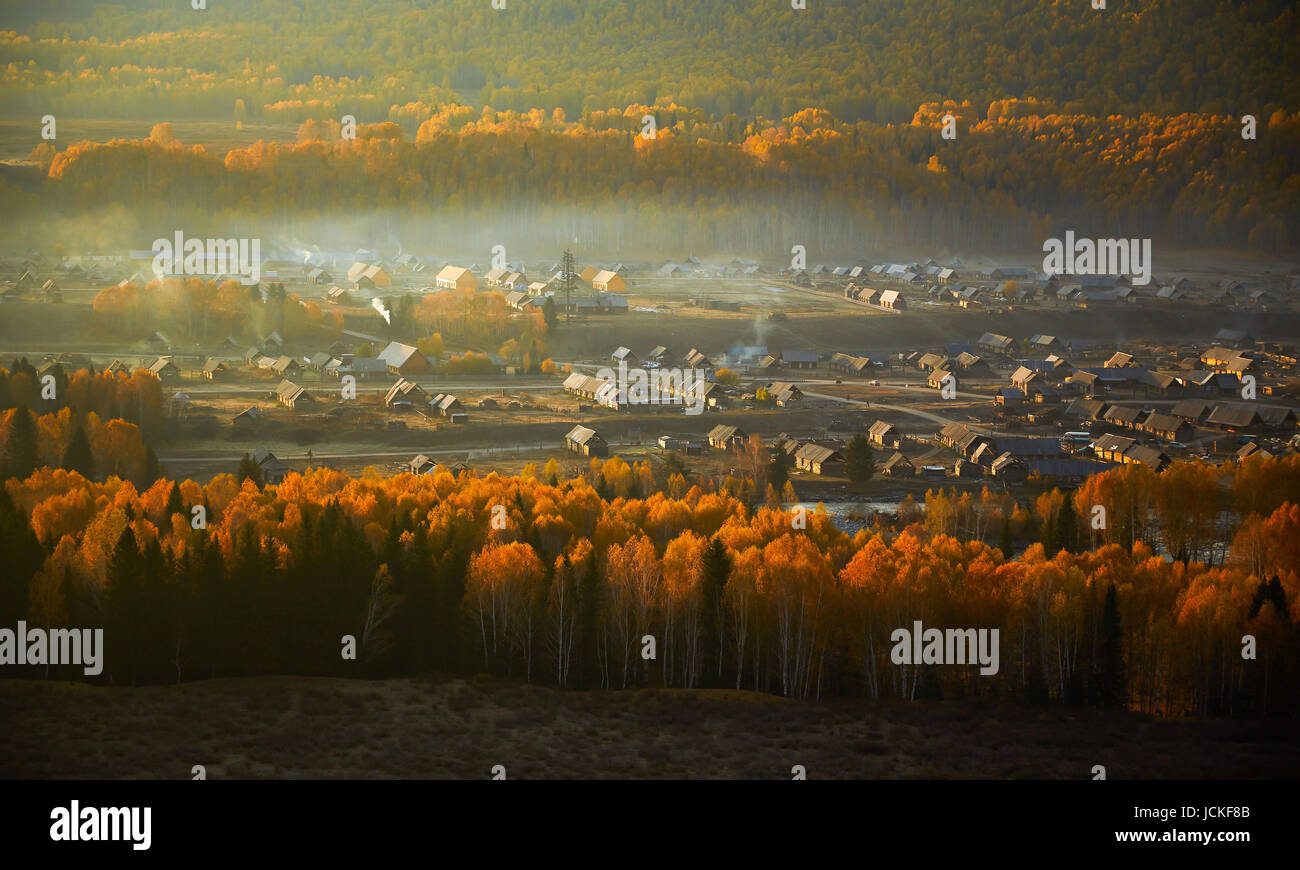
560	578
264	61
1009	180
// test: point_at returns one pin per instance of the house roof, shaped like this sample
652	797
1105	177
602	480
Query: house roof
1273	415
1125	414
290	391
1147	455
724	433
397	354
1164	423
1191	409
1023	375
1230	415
581	435
402	388
897	459
932	361
1004	461
1119	359
817	453
992	339
452	273
1113	444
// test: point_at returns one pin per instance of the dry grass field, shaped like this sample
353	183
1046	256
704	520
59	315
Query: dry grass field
437	727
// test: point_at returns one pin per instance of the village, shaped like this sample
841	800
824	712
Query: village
797	360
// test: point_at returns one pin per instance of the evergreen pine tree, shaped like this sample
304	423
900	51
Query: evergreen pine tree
1065	534
716	570
778	469
21	455
77	457
859	459
175	504
249	470
151	470
1114	683
21	555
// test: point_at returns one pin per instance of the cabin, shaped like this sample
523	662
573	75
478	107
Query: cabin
859	366
884	434
819	460
696	360
368	276
404	392
583	386
1119	360
1167	426
1233	418
799	359
624	355
898	465
293	396
931	361
164	370
455	278
247	418
421	464
1112	447
215	370
892	300
286	367
447	405
1087	409
1002	344
1192	410
660	355
970	364
608	281
585	442
405	360
939	378
1127	416
785	394
726	437
273	470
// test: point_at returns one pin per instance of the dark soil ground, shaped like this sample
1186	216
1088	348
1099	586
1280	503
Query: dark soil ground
438	727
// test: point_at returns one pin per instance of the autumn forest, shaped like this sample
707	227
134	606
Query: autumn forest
822	123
